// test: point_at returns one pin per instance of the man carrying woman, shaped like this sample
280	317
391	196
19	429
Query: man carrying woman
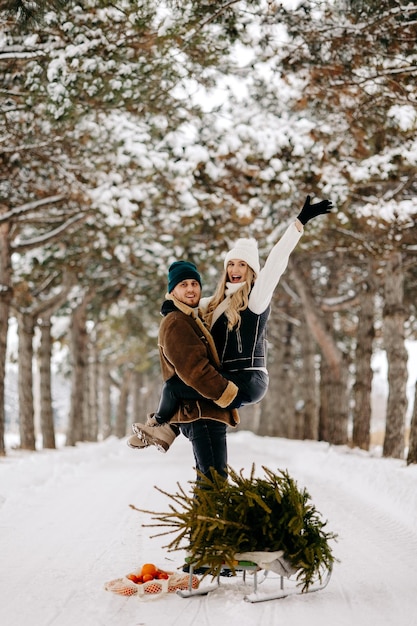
237	318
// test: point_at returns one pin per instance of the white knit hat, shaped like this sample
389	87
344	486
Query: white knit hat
245	250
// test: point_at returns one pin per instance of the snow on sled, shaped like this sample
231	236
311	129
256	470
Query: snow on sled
282	585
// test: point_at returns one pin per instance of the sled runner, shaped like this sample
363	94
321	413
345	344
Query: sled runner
285	584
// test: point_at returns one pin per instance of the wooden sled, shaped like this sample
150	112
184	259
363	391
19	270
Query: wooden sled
286	586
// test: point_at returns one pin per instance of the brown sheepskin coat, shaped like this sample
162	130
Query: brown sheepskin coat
187	349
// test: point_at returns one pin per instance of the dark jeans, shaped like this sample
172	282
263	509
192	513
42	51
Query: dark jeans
252	384
208	438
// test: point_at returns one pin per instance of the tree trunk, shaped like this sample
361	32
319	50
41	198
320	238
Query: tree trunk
291	417
137	397
340	407
308	391
412	448
277	408
325	428
121	418
44	360
334	412
5	298
26	326
91	393
394	316
79	355
105	400
362	387
43	311
334	405
151	393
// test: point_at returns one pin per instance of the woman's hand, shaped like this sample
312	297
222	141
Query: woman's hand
312	210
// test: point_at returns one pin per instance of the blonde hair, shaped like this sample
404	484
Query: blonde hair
238	301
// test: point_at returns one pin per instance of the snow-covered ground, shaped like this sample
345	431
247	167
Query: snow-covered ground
66	529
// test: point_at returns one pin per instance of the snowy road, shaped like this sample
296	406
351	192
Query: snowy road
66	528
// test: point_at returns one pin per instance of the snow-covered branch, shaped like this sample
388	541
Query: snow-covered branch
5	56
49	236
30	206
32	146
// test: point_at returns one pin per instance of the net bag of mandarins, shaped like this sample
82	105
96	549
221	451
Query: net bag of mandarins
150	582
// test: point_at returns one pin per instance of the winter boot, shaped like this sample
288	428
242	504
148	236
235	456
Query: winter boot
136	443
154	434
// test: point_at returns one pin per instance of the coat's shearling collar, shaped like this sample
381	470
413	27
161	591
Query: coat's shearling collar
184	308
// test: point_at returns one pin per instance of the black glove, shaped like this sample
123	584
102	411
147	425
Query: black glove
312	210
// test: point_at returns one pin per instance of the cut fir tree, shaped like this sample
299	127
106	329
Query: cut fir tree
223	518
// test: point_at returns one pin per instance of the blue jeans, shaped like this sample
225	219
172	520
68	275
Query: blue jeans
208	438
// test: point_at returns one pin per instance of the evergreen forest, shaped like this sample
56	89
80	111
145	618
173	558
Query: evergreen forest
137	132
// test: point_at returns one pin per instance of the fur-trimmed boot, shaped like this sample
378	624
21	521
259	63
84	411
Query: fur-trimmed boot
162	436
